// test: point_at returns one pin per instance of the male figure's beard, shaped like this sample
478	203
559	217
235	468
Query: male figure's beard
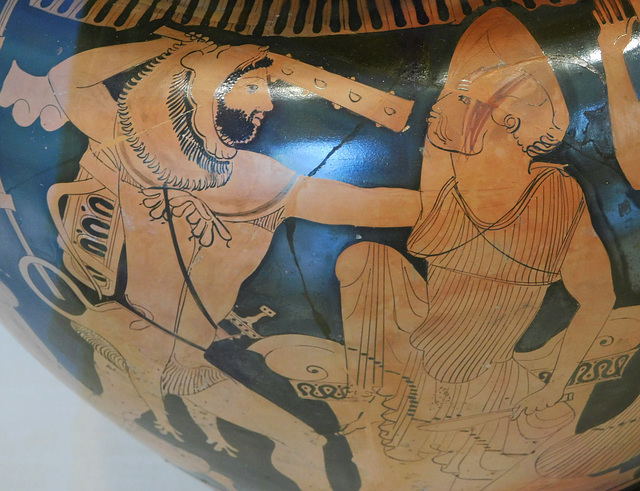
235	126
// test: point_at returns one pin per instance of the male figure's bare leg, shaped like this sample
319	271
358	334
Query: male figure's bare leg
298	452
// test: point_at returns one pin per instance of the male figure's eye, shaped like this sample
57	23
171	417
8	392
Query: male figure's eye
251	88
464	99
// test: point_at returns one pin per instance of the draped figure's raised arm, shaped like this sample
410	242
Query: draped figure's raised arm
624	106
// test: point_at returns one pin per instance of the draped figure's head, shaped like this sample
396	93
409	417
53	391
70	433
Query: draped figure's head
498	76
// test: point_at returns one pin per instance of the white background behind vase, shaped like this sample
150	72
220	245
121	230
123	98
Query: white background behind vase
52	440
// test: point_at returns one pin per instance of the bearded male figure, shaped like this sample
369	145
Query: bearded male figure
197	217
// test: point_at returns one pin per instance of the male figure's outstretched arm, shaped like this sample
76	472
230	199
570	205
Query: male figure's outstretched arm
337	203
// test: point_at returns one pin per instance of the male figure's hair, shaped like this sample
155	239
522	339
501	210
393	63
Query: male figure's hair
181	111
170	80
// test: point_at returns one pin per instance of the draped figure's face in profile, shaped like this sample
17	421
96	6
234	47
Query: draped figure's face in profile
451	125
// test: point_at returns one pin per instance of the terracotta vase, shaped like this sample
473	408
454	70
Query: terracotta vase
333	245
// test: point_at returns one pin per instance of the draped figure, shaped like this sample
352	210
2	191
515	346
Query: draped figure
498	227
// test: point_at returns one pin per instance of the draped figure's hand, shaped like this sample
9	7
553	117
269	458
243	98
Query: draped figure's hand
615	26
546	397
